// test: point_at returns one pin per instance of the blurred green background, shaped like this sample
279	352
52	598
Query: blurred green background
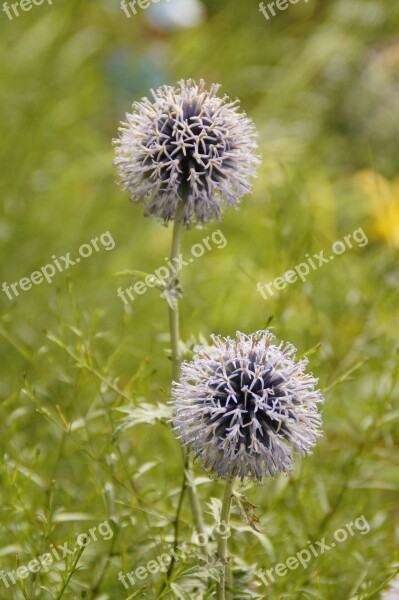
321	82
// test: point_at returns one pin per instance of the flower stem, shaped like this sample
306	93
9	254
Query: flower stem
226	580
174	313
188	481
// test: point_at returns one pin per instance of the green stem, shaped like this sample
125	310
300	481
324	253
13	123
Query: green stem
226	580
194	501
174	313
66	582
188	481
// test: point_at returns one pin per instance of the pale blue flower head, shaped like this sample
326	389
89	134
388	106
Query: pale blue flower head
187	154
245	405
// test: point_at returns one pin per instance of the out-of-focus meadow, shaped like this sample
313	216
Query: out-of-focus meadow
320	81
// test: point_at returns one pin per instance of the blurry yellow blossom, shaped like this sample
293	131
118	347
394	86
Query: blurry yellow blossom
384	197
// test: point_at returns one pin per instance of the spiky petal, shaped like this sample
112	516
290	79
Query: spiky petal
186	146
244	406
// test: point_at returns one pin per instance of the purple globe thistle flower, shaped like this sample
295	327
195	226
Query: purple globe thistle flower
244	406
187	148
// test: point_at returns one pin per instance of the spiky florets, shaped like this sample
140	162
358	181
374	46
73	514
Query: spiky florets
187	148
243	406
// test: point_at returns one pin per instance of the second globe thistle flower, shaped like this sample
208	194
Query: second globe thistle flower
187	148
245	405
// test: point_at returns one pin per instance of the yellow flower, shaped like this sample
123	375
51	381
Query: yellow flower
384	197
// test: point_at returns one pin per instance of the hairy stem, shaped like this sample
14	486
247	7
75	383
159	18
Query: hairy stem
226	580
188	481
174	313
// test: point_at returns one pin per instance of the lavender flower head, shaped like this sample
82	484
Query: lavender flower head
244	406
187	148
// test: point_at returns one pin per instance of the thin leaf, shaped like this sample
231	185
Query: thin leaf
145	413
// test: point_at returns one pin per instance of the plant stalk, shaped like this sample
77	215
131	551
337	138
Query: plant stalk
174	313
188	481
226	580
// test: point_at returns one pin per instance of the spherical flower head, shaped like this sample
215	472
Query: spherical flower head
188	154
244	406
